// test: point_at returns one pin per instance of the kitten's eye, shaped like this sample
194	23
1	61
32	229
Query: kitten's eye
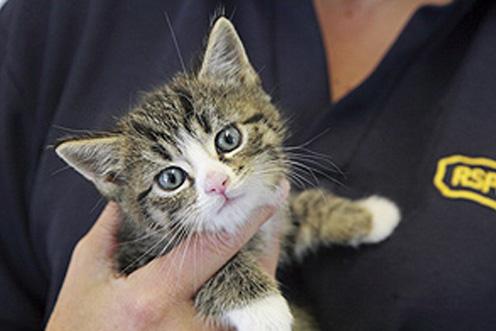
228	139
171	178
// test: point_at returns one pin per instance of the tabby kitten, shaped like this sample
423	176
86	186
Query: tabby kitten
198	155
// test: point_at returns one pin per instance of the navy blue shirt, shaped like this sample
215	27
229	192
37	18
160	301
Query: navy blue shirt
419	130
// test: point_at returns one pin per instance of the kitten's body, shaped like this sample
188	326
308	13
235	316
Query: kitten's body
199	154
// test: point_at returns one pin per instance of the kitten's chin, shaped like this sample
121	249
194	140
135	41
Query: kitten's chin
229	216
228	202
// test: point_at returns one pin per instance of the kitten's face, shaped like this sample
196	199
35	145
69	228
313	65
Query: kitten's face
211	153
205	150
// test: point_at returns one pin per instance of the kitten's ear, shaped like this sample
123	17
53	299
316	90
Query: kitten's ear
225	58
96	158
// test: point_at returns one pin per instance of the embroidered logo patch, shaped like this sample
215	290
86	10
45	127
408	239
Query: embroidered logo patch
470	178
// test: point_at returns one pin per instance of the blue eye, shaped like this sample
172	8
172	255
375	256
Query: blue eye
228	139
171	178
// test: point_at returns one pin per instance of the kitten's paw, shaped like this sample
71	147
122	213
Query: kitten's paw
385	218
267	314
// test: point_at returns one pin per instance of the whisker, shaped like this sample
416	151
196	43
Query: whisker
174	40
95	207
149	250
77	131
58	171
311	140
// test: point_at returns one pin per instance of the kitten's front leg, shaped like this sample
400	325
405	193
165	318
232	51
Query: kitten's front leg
243	296
323	218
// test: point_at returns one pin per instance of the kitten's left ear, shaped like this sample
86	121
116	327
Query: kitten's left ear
96	158
225	58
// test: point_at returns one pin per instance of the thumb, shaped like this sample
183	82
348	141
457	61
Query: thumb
188	266
101	241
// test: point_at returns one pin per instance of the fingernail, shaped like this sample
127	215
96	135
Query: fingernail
282	193
266	212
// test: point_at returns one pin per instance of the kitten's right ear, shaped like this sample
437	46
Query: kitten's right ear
96	158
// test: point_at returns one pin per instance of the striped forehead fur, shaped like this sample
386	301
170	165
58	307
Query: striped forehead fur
198	108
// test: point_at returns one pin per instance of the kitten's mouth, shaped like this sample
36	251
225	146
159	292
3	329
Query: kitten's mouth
228	201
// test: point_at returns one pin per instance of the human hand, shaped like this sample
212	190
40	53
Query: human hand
159	296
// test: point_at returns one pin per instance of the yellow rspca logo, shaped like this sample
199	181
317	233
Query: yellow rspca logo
471	178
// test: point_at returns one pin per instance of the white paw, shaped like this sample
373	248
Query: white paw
385	218
268	314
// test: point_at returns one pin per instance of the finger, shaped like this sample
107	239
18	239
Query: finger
182	272
101	240
283	192
270	256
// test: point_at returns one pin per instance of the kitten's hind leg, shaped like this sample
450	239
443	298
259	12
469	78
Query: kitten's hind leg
243	296
323	218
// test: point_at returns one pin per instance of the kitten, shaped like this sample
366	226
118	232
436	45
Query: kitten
198	155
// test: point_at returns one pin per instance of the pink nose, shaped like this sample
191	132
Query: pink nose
216	182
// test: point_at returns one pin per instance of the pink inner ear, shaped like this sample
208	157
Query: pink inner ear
216	182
